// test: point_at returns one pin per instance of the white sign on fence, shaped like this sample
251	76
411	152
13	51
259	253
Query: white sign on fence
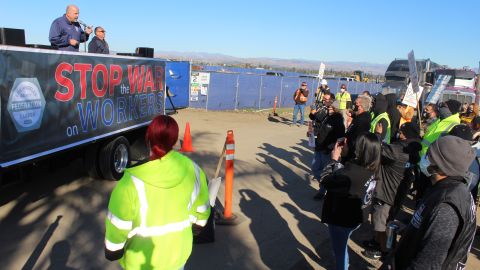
411	98
438	88
321	71
412	66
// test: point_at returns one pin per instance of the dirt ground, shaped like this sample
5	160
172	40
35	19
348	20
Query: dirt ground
56	220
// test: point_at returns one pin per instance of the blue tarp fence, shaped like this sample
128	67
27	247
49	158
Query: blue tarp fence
235	91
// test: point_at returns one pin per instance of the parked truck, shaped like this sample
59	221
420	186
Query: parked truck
461	85
97	105
397	76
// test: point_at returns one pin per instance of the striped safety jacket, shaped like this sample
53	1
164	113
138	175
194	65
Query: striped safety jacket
151	211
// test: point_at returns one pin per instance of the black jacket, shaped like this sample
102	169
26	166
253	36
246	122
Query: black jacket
421	245
98	46
393	114
328	128
349	189
393	169
360	125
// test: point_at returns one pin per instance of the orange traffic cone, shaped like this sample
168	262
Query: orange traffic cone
187	140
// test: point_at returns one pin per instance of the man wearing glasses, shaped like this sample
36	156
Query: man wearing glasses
98	43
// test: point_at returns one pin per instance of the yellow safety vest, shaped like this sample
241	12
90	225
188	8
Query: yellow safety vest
374	124
436	129
343	99
151	210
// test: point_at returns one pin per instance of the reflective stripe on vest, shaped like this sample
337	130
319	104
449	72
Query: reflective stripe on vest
428	143
113	246
374	124
144	231
196	187
142	198
119	223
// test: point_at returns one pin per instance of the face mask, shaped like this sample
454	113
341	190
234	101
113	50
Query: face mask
355	108
342	90
424	164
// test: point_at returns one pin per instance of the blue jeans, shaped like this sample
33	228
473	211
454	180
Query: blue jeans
320	160
296	108
339	236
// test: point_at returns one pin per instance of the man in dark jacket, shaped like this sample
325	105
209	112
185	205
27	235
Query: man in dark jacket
98	43
66	33
442	228
394	179
328	128
360	123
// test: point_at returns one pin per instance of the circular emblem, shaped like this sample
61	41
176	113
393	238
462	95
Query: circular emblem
26	105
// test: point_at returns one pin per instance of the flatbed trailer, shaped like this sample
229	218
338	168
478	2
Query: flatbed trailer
53	101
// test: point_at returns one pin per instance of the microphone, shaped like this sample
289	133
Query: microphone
83	24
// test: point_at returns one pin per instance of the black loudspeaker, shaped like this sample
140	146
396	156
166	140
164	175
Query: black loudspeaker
144	52
11	36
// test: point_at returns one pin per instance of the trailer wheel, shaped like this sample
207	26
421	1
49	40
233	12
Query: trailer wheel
114	158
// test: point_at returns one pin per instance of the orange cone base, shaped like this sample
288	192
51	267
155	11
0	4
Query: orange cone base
221	220
186	149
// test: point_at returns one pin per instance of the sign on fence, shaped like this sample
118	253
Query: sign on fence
199	82
438	88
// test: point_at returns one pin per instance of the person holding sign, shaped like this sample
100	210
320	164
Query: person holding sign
300	97
328	128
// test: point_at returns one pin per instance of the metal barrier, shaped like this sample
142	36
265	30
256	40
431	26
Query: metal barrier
234	91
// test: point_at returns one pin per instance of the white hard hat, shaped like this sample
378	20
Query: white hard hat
324	82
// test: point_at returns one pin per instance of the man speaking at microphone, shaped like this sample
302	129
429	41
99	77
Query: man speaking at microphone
66	33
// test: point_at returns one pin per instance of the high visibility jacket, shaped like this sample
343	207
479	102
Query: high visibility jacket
151	211
374	124
343	99
436	129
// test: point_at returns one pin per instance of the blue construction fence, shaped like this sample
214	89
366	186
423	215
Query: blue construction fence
240	88
229	91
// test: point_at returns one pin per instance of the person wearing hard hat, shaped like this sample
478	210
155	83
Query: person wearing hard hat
153	208
344	98
321	91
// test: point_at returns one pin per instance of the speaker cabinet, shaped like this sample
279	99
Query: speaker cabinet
144	52
11	36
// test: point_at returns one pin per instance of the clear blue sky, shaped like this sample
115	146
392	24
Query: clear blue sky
375	31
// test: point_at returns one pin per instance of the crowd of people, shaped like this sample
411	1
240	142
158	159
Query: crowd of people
376	156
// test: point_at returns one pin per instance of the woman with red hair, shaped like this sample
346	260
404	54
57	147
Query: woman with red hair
153	206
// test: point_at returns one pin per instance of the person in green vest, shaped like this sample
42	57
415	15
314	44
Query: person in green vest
155	204
448	117
344	98
380	124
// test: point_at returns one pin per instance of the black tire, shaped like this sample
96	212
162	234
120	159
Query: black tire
113	158
90	161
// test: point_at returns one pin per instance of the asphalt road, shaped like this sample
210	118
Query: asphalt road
55	220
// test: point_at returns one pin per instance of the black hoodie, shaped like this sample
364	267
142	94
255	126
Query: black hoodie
393	114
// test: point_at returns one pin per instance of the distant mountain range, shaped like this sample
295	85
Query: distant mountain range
276	63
